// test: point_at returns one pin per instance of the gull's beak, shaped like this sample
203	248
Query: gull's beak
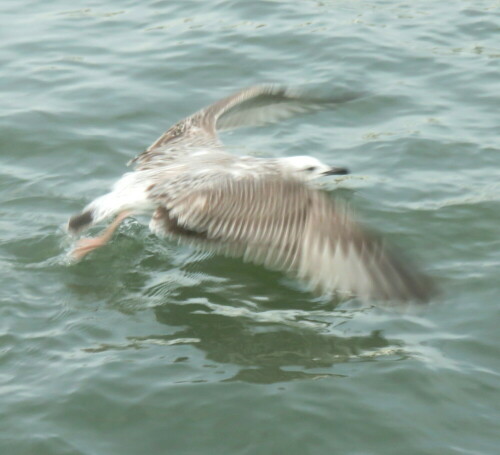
337	171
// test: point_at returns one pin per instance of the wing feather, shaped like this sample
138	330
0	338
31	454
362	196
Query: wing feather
252	106
286	225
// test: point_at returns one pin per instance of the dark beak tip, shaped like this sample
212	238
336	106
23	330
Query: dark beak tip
337	171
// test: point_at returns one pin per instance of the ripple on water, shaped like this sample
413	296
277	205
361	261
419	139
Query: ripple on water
148	347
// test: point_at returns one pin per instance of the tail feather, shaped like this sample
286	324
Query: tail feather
80	221
129	193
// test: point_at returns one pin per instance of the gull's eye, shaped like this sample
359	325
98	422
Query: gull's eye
310	169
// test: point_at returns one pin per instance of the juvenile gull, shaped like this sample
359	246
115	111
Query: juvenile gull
261	209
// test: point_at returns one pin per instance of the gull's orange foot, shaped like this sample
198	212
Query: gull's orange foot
85	246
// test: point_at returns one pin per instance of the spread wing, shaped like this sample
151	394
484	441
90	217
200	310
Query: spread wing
252	106
285	225
258	105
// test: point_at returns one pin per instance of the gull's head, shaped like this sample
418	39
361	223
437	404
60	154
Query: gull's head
309	168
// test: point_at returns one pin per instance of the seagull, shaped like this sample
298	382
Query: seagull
264	210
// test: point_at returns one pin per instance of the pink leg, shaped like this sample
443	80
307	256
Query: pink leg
86	245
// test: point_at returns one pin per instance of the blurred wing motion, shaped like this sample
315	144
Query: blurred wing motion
252	106
286	225
253	208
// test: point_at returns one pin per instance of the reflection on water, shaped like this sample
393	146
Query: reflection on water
237	314
268	346
289	346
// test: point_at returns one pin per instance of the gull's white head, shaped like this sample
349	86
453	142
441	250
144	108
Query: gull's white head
309	168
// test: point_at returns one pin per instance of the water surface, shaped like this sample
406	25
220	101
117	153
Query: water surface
145	347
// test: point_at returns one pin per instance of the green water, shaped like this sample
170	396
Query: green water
148	348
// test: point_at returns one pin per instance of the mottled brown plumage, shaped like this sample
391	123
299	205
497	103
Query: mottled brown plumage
252	106
263	210
284	224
